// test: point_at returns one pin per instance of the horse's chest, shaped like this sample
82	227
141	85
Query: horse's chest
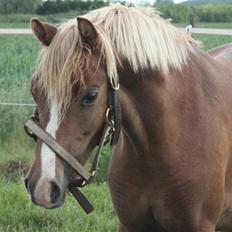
151	196
128	197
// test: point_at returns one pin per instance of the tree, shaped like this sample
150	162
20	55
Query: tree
164	1
18	6
51	7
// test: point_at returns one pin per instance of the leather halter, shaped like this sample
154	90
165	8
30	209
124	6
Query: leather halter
111	130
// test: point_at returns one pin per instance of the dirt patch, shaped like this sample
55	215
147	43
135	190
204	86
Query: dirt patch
14	170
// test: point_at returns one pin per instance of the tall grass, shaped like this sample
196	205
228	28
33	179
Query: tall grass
18	55
17	213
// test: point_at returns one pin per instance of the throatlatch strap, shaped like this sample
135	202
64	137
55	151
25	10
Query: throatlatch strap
97	157
116	116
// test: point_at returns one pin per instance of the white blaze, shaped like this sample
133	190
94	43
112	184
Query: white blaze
48	157
48	160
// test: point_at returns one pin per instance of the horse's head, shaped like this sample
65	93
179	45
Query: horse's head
70	89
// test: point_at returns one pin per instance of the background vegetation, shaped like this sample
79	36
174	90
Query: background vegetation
202	13
184	12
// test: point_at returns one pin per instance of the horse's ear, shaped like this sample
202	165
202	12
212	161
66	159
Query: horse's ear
87	32
43	31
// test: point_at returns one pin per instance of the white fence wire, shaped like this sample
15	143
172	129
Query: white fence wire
15	104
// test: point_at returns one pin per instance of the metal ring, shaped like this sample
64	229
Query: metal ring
114	85
111	122
83	183
107	113
93	173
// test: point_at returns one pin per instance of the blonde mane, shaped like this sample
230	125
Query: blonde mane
138	35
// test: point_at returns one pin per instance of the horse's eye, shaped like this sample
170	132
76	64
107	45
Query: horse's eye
90	97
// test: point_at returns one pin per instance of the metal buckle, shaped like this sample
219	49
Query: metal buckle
83	184
30	133
114	85
33	117
108	120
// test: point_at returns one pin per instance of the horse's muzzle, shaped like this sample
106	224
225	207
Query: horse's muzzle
45	193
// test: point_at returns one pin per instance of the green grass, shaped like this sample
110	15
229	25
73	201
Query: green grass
211	41
14	25
18	57
18	214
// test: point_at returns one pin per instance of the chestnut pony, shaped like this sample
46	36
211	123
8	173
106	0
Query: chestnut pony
171	170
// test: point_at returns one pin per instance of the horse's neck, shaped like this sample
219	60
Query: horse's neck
152	106
158	110
142	98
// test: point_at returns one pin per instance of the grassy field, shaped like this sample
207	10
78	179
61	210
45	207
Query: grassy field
18	57
17	214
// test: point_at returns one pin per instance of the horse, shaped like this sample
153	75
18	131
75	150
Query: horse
171	164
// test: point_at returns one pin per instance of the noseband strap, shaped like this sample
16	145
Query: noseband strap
111	130
59	150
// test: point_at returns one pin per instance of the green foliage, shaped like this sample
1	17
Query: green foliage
51	7
13	20
18	6
203	13
203	2
48	7
178	13
214	13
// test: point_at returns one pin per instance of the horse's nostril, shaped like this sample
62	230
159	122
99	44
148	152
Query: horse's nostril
26	180
55	193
